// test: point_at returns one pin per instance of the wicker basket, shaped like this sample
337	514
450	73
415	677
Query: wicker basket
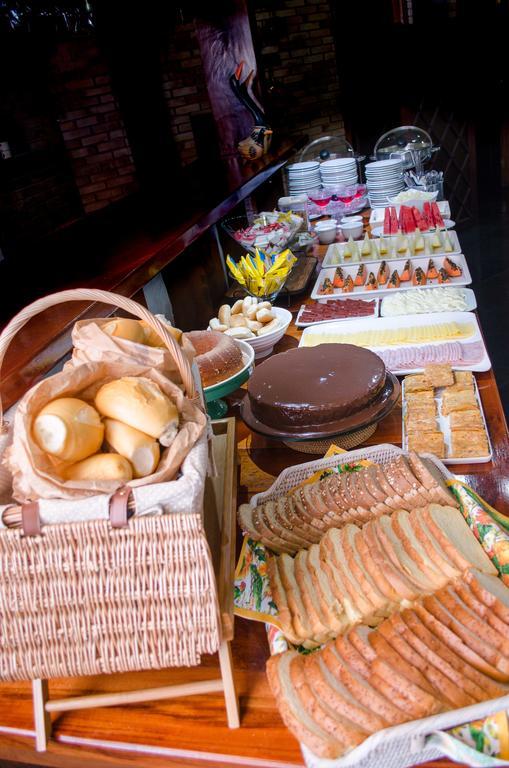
86	598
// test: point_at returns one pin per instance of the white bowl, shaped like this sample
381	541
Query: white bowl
326	236
418	202
263	345
353	229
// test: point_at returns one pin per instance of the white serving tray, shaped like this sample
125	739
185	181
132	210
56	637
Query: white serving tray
378	214
334	255
300	324
406	321
443	425
372	266
470	298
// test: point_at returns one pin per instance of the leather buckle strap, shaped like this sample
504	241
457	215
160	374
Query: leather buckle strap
30	519
118	507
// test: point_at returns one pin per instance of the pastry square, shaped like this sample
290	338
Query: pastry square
421	410
464	379
424	396
427	442
416	383
469	442
417	422
439	374
464	400
466	419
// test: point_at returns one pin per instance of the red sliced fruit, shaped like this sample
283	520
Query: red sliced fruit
452	268
372	284
443	277
348	286
431	272
387	221
406	274
339	278
394	221
420	223
426	214
419	277
401	217
437	216
360	277
383	273
394	281
410	223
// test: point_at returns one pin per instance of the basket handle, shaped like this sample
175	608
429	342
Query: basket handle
105	297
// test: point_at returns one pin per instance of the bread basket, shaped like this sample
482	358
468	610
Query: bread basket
118	588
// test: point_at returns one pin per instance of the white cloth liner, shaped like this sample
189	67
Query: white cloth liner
181	496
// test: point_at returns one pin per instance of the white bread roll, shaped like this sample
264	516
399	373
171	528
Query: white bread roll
101	466
238	321
224	314
269	327
264	316
152	339
217	325
125	328
141	404
237	307
68	428
141	450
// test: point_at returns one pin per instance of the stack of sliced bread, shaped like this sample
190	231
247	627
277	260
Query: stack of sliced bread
364	574
299	519
446	651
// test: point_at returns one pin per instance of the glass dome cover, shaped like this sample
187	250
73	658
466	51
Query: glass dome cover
406	137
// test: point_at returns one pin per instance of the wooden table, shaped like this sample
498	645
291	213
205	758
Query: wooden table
193	731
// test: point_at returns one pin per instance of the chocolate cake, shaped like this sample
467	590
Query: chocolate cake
312	386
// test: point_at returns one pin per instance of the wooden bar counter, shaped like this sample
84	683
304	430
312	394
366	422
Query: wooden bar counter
193	731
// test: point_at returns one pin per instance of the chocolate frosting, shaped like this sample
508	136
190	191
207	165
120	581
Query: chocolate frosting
310	386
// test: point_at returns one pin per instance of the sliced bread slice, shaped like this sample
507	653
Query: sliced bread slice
295	717
386	651
480	609
432	547
455	605
321	630
351	535
268	514
278	544
339	590
460	672
279	597
456	644
337	696
247	524
340	728
360	687
423	579
330	606
332	545
300	619
405	589
287	515
429	476
491	591
400	522
449	527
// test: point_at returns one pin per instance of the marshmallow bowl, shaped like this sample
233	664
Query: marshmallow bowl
255	322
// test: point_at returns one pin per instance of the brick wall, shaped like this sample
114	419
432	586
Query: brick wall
185	89
297	56
91	124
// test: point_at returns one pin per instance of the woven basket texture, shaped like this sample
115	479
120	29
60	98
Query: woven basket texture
86	599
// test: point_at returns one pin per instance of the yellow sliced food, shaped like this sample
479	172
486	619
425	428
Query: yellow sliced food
388	337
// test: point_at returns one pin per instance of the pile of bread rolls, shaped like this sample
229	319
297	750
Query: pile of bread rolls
246	319
117	438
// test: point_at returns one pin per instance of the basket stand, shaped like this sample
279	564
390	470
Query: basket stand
220	505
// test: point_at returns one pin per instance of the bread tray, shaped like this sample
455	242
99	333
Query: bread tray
420	740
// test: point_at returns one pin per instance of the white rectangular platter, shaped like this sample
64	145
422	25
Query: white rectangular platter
444	427
476	357
373	266
411	307
300	324
378	214
335	253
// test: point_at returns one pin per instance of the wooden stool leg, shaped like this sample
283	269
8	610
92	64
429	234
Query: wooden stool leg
230	696
42	719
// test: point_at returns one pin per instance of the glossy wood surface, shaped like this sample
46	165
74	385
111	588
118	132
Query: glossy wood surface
127	267
193	731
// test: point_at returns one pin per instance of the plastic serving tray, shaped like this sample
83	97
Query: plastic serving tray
373	266
334	255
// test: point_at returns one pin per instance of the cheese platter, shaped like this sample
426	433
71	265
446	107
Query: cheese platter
407	343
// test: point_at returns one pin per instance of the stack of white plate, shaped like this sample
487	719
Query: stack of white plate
384	179
339	172
303	177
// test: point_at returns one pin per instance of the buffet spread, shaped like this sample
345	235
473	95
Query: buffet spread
383	580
